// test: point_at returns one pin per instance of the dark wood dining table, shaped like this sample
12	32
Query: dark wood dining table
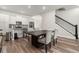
35	35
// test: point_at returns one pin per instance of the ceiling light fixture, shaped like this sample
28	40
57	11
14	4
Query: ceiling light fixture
29	6
44	7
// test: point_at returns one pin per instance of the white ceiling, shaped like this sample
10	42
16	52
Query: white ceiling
34	10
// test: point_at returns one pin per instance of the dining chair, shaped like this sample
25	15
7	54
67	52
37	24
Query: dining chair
28	35
45	39
54	37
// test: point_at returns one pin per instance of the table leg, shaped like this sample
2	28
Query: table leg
53	42
45	48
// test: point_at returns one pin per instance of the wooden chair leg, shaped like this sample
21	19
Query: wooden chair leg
56	40
28	38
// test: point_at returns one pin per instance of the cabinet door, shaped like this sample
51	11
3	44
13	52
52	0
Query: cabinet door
12	19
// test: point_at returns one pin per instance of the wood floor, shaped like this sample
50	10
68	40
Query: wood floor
23	46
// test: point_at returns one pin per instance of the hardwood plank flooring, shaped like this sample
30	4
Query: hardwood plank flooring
22	45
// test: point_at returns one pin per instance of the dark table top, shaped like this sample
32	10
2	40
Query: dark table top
39	32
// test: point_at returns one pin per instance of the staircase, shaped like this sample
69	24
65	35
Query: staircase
69	27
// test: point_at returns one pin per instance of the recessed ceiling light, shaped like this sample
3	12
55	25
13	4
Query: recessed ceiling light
44	7
29	6
3	7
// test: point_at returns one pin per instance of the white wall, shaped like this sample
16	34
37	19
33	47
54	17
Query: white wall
15	18
38	21
63	33
71	15
48	20
4	19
